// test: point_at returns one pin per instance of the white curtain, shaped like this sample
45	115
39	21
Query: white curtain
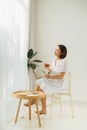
32	38
14	44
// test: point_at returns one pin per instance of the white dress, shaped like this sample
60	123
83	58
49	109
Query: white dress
53	85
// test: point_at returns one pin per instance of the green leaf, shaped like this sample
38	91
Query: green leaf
30	53
49	72
28	65
37	60
33	66
31	63
34	54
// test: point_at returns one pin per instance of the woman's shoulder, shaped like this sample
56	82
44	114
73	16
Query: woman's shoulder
63	61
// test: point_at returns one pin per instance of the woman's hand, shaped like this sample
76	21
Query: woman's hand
60	76
46	65
47	76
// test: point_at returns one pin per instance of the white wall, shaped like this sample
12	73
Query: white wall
65	21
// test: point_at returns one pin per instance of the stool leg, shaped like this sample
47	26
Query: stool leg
18	111
38	115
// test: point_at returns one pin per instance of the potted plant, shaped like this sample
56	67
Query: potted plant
32	63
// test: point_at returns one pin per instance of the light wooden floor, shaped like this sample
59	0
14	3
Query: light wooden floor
60	120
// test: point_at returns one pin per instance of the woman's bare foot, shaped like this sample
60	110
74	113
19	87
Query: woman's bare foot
29	103
42	112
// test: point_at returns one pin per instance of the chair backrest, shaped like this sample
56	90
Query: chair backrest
67	82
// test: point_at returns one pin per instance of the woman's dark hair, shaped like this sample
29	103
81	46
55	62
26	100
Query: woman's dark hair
63	51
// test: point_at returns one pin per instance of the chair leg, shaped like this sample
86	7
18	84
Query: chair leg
71	106
60	101
51	106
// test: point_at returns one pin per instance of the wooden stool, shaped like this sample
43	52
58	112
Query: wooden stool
28	95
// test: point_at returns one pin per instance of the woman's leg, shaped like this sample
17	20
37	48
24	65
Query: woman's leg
37	88
43	103
33	101
28	103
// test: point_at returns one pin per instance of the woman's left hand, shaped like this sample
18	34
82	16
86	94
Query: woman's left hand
47	76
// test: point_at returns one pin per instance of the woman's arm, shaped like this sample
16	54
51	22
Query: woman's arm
60	76
47	66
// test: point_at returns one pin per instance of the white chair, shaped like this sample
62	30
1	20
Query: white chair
67	92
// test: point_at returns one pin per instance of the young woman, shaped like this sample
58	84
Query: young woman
52	82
